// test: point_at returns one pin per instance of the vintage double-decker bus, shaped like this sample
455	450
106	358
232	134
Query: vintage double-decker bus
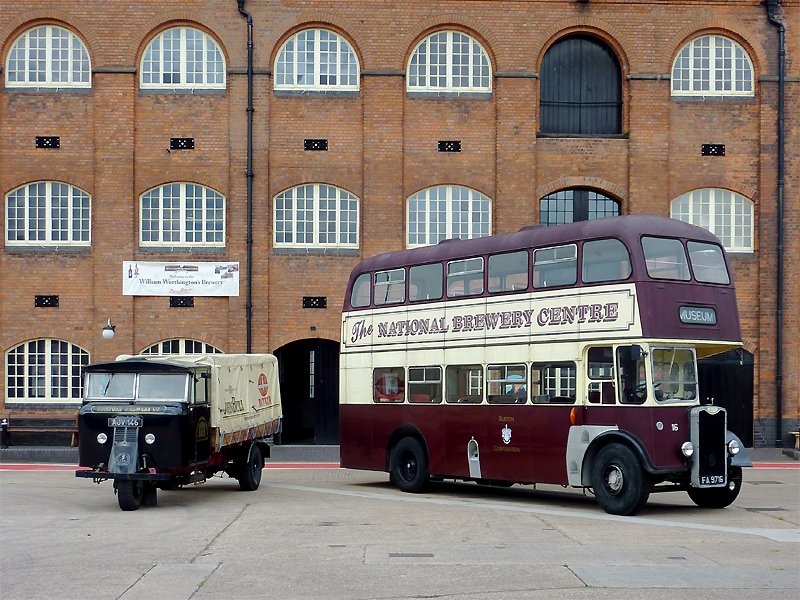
560	355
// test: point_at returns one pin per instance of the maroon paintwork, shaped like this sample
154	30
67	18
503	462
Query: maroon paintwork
659	300
536	452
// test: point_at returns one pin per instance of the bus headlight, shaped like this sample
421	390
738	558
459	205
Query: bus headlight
102	438
734	447
150	438
687	449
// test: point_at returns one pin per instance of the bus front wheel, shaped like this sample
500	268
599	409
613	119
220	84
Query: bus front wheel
409	465
620	484
718	497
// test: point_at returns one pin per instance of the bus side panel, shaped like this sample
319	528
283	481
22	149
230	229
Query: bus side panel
660	429
364	433
551	426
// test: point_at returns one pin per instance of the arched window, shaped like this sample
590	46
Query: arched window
712	65
48	56
447	211
316	215
181	346
449	61
182	58
570	206
724	213
581	88
48	213
45	370
182	214
316	59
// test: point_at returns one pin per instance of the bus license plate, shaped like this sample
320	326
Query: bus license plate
125	421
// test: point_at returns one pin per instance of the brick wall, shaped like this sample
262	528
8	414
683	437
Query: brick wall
382	148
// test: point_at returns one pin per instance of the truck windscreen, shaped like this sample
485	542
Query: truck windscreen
110	386
162	387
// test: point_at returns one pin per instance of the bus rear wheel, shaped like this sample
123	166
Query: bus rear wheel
620	484
409	468
718	497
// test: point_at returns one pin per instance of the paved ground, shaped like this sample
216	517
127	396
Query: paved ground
325	532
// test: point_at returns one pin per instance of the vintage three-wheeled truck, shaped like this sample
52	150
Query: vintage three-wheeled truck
150	422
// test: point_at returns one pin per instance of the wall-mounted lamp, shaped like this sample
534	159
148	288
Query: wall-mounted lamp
108	330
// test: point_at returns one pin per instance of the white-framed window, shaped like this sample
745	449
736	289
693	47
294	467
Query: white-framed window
316	215
48	213
712	65
447	211
724	213
45	371
48	56
182	214
183	58
449	61
316	59
181	346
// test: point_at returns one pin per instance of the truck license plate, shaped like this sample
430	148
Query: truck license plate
125	421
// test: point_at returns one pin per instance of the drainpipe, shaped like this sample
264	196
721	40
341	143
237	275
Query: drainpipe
772	7
249	241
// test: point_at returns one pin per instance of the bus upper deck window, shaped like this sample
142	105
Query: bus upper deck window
360	295
508	272
425	282
665	258
556	266
465	277
605	260
390	287
708	263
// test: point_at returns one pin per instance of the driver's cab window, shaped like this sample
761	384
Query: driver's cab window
600	374
200	389
631	375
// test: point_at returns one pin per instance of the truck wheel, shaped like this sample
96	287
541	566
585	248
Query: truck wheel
620	484
409	465
129	494
718	497
250	478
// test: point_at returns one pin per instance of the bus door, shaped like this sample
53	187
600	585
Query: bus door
505	449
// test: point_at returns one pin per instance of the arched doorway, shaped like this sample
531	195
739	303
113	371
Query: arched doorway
728	379
309	376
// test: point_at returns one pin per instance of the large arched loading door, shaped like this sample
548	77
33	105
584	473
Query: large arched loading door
309	377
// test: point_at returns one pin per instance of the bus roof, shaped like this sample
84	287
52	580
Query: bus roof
628	228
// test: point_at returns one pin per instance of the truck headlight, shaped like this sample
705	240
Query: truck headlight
687	449
150	438
102	438
734	447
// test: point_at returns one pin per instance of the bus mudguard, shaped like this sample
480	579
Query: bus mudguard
740	459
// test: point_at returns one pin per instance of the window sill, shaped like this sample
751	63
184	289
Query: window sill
449	95
597	136
12	248
713	99
314	93
188	249
317	251
183	91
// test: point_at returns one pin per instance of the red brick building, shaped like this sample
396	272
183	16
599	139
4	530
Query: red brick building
124	139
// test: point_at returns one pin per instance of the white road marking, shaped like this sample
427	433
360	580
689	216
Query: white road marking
778	535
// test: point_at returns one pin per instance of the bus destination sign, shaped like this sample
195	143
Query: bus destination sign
698	315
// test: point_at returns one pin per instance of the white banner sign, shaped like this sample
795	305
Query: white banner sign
180	279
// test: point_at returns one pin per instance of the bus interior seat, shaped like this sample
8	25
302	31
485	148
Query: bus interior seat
420	398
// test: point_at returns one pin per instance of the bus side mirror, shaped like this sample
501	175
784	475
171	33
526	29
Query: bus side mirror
636	353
